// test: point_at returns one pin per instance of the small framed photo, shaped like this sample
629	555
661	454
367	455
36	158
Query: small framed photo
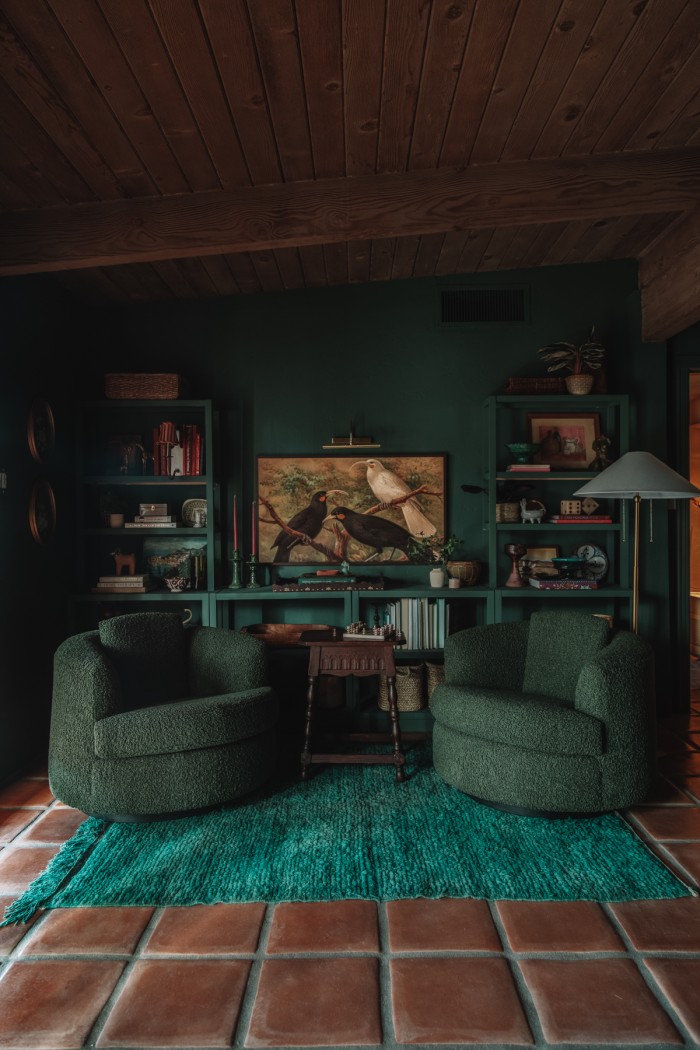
566	441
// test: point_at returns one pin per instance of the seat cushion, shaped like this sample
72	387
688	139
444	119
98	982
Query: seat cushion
537	723
149	653
558	645
186	725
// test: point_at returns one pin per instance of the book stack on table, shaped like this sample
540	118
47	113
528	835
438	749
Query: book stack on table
153	516
124	584
578	519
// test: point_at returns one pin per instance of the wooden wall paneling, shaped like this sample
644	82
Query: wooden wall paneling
404	47
90	35
428	254
321	45
565	242
606	239
27	81
452	245
562	50
444	51
531	26
544	236
139	282
93	285
172	273
671	54
359	259
275	31
683	128
40	149
646	231
244	272
405	252
13	195
31	189
289	266
617	87
363	48
669	278
184	36
138	37
674	101
230	38
473	251
588	247
513	251
494	251
382	259
265	266
614	24
197	274
313	265
64	75
488	34
220	274
335	258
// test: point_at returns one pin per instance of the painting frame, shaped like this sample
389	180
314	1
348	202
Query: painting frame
286	485
579	429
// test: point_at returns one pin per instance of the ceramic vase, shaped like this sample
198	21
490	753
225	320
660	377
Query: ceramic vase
437	577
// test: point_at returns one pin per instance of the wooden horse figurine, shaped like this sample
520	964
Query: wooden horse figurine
124	561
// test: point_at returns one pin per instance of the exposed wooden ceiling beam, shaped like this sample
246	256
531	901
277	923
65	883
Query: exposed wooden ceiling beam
669	279
334	210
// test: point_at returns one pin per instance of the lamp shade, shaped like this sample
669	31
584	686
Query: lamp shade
639	474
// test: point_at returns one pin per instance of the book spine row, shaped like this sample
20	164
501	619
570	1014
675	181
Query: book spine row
422	621
186	456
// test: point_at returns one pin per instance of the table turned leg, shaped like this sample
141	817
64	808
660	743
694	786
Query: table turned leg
395	728
310	700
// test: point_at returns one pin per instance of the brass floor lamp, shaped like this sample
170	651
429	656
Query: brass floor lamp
638	476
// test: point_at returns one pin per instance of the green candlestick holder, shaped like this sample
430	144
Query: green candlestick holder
252	564
236	583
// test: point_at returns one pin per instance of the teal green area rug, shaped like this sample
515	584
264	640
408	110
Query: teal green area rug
350	832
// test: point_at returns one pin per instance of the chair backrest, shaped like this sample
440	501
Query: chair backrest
149	653
558	645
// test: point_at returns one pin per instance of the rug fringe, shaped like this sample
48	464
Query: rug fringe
58	870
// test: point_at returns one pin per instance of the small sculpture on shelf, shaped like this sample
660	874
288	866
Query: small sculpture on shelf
531	511
515	551
124	561
601	447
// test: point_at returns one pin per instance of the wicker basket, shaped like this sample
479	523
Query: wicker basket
465	571
434	676
409	689
535	385
507	512
145	386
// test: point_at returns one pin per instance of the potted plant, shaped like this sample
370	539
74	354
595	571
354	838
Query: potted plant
582	361
437	549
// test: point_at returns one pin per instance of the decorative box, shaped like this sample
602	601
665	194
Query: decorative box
145	386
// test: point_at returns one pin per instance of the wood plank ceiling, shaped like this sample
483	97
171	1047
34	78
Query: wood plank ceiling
183	148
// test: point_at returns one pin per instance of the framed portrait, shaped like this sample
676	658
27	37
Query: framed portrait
41	430
42	511
328	509
566	441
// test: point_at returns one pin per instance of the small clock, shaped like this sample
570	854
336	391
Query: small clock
596	561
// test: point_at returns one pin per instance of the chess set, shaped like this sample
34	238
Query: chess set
359	631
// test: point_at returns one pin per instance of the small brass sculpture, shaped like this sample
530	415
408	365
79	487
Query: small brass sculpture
601	447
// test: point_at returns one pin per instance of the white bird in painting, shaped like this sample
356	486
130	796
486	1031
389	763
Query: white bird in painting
386	486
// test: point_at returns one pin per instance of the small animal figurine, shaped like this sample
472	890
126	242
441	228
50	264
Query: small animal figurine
601	447
531	511
124	561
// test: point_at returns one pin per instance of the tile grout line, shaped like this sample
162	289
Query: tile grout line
521	986
250	992
386	1002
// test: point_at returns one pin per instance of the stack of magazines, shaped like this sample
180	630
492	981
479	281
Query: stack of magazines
124	584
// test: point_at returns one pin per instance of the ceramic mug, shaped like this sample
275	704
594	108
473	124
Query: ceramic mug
116	521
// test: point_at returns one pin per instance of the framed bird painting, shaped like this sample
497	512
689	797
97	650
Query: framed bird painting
328	509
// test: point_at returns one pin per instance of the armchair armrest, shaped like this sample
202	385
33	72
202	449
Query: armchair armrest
617	687
223	661
491	656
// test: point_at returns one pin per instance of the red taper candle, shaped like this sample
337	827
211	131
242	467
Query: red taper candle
254	546
235	524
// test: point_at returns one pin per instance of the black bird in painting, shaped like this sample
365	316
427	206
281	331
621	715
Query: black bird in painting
372	531
308	521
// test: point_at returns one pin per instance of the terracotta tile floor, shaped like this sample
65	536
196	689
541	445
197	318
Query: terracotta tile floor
354	973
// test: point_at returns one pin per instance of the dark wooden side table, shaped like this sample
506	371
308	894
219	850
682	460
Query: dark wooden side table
340	657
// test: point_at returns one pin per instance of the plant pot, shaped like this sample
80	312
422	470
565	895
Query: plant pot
437	577
579	384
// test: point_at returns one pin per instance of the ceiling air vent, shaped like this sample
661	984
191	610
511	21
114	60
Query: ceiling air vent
483	306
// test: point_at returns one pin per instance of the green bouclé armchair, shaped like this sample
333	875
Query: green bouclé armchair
552	715
152	719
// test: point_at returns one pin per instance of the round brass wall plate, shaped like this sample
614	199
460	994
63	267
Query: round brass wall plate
41	430
42	511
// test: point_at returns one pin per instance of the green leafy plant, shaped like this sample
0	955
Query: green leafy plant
437	549
578	359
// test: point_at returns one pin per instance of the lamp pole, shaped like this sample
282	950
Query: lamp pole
635	565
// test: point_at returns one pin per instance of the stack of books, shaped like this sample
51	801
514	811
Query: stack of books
578	519
124	584
153	516
551	584
539	468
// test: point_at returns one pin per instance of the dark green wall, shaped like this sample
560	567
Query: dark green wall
38	342
288	371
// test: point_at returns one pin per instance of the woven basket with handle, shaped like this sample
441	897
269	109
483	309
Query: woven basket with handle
409	689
